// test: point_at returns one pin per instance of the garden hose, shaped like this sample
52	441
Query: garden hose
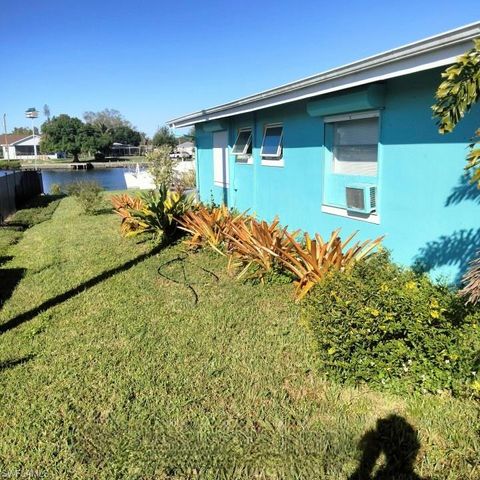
184	281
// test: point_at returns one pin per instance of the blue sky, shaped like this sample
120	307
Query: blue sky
154	60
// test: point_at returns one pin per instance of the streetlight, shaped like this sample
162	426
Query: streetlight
33	114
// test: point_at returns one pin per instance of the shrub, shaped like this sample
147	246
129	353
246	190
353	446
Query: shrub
56	189
162	165
9	165
394	328
88	195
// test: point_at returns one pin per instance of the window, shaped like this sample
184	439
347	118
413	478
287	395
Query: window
355	147
272	142
25	149
242	149
243	143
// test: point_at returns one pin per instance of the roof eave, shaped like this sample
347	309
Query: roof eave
432	52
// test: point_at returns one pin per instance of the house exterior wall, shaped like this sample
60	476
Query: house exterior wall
13	154
426	208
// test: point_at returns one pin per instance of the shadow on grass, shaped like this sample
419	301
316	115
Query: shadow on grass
5	365
41	201
398	441
5	259
9	279
52	302
103	211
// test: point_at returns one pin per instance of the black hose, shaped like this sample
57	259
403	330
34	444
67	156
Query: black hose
185	281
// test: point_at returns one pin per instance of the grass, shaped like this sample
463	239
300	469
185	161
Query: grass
124	377
35	211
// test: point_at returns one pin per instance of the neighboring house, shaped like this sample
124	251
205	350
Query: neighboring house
123	149
21	147
353	147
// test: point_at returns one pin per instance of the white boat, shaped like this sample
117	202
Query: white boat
143	180
139	179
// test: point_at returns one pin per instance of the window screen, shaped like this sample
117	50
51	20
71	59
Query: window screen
355	147
272	142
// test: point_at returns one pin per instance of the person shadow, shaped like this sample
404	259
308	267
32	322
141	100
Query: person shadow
399	443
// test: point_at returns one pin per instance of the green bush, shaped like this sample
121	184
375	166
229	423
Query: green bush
88	194
394	328
56	189
9	165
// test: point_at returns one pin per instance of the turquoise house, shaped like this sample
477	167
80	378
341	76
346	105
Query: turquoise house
353	147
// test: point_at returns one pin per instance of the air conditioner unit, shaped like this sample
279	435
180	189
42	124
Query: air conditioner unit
361	197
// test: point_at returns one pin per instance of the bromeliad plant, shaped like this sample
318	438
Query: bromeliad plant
257	246
124	205
311	261
208	226
154	212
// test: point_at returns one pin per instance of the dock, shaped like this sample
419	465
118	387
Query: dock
80	166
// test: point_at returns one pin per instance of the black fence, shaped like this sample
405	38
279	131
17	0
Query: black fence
16	188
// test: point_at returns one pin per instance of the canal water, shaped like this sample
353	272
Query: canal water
108	178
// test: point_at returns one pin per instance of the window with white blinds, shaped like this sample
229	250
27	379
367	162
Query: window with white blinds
355	147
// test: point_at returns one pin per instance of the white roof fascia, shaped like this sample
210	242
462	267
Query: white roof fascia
432	52
25	139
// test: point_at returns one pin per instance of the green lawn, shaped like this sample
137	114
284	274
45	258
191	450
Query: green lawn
108	370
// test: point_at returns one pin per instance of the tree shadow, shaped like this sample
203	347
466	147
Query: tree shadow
5	365
457	249
41	201
9	279
103	211
464	190
5	259
15	226
57	300
398	441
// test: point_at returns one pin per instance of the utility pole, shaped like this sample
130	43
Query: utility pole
6	136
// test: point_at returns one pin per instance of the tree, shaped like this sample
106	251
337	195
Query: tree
456	95
24	131
164	136
161	165
124	134
46	112
106	120
63	134
188	137
93	141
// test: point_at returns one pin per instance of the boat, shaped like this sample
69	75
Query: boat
143	180
139	179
